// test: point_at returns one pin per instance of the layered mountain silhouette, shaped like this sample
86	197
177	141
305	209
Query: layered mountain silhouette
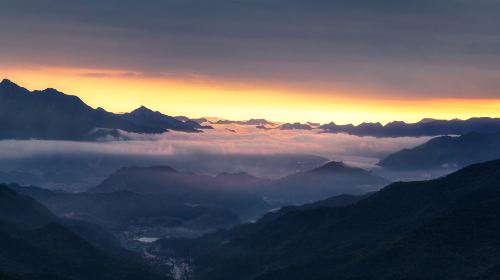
35	244
331	179
199	123
440	229
50	114
145	117
295	126
245	194
123	211
446	152
254	122
223	191
426	127
160	199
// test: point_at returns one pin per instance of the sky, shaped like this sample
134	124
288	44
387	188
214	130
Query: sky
285	60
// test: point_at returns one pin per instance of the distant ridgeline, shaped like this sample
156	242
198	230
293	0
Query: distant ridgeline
50	114
426	127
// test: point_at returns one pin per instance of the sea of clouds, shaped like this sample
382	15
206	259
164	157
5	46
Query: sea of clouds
228	148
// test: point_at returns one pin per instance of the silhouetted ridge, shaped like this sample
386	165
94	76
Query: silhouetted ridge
189	188
295	126
426	127
254	122
6	82
146	117
446	152
9	87
51	114
143	109
22	210
439	229
36	244
427	120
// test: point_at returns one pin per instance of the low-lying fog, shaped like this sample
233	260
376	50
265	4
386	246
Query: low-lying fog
229	148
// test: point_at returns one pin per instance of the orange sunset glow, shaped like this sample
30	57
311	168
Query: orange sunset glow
196	96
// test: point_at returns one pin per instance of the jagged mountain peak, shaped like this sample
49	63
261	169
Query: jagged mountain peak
427	120
9	86
147	117
143	108
6	82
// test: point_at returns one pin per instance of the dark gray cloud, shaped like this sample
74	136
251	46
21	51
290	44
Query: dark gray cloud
441	48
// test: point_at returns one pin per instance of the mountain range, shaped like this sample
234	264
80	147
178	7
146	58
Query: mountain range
189	188
445	228
426	127
253	122
145	117
446	152
294	126
199	123
242	192
160	201
50	114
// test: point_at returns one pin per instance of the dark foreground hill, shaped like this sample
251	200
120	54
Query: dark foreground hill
446	152
440	229
35	244
133	213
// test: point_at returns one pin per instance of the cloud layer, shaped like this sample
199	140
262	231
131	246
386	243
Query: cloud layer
226	140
